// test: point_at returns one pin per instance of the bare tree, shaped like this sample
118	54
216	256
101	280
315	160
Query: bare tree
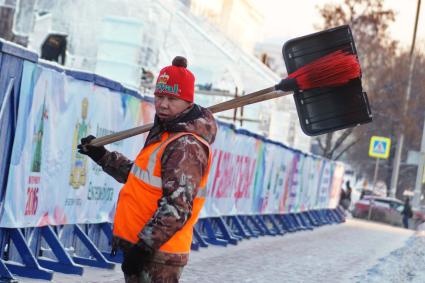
369	22
388	119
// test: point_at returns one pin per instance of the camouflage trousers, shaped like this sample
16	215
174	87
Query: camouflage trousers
153	272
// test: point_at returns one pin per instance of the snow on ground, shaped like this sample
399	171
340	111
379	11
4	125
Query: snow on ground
334	253
406	264
356	251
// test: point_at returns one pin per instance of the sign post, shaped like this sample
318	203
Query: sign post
375	175
380	149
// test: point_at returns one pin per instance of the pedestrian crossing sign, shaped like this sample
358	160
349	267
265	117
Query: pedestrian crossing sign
379	147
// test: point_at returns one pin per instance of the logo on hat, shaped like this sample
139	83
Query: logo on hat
163	79
162	87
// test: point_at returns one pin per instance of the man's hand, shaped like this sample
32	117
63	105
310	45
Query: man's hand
94	152
134	259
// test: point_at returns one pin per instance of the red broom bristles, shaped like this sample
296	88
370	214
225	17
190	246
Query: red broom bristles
334	69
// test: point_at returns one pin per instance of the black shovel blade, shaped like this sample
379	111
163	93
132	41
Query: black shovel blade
324	110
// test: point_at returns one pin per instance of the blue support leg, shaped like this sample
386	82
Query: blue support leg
247	226
251	219
30	267
332	216
194	246
107	230
290	222
283	224
240	230
260	220
318	218
296	222
198	237
64	262
275	225
5	275
232	228
225	231
291	219
340	214
304	221
325	216
99	260
312	218
211	234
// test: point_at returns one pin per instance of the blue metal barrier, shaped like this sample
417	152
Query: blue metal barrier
106	230
27	265
236	226
267	225
64	262
304	221
275	226
198	241
252	223
339	211
208	233
5	275
288	222
225	231
95	258
247	227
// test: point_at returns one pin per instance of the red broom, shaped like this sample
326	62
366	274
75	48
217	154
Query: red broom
334	69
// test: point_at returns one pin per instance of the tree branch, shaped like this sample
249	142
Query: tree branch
341	139
346	148
327	150
321	146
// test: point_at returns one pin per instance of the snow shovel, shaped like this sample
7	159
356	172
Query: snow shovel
324	76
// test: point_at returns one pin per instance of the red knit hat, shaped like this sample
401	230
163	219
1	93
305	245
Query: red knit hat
176	80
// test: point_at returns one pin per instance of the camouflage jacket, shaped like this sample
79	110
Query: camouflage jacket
183	164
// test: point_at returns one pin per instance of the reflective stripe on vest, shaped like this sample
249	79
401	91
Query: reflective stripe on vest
146	176
138	200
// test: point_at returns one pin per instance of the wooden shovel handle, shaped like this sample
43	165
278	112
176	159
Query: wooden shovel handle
258	96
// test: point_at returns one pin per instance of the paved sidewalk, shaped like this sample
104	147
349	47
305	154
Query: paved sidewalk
336	253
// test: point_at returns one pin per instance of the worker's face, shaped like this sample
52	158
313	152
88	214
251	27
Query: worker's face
167	108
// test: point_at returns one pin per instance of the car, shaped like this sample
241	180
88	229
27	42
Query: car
387	210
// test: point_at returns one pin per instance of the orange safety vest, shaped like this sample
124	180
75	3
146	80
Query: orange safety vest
138	199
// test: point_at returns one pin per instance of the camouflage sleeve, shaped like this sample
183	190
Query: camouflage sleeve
116	165
183	164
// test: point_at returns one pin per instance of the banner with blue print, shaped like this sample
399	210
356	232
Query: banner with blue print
49	181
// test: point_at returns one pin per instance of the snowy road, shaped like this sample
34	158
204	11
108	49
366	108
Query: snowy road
356	251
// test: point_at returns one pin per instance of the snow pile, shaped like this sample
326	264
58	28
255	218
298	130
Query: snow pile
406	264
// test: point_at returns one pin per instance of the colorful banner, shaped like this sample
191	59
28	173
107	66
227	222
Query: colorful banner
50	183
251	175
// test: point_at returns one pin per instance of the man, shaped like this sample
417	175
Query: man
407	213
165	186
345	197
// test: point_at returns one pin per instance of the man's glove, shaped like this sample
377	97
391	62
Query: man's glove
94	152
134	259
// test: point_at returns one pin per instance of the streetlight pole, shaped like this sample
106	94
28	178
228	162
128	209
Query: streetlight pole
420	173
400	140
